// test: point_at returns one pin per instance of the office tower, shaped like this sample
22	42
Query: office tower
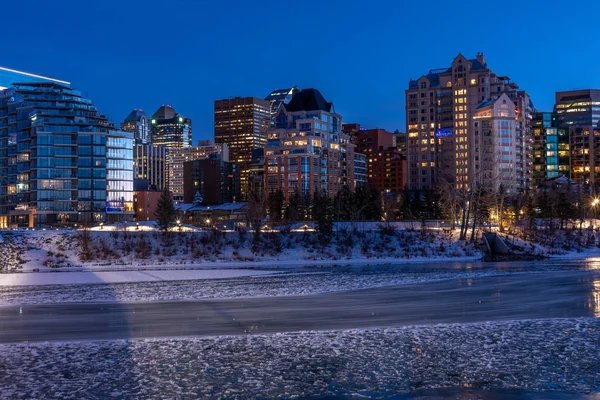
386	168
137	123
307	151
578	107
10	76
61	162
150	166
211	181
440	109
168	128
279	97
176	157
551	151
242	124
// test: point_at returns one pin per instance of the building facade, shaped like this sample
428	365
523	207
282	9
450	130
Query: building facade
137	123
61	162
440	107
385	165
150	164
551	148
211	181
168	128
307	150
578	107
241	123
145	203
176	157
494	156
119	176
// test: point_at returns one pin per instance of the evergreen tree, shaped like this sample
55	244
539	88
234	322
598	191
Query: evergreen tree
275	206
323	212
165	210
292	210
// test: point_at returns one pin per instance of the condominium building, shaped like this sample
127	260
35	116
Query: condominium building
307	150
176	157
10	76
150	165
170	129
493	157
61	162
386	167
440	109
241	123
551	150
137	123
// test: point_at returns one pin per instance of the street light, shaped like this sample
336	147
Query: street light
595	203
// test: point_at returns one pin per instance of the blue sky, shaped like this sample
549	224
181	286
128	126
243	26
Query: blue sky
187	53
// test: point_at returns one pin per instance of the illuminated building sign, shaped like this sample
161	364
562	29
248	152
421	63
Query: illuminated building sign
443	133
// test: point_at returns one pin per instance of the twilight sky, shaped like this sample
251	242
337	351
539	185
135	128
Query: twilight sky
360	54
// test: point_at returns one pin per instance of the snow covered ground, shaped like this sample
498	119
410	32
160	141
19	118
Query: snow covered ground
51	250
541	355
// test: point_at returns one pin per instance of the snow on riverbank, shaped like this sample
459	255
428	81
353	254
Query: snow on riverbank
540	355
112	277
48	250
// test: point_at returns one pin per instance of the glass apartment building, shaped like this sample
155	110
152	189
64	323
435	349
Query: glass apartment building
551	148
61	162
10	76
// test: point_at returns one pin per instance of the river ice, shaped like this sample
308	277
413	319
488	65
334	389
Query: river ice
542	355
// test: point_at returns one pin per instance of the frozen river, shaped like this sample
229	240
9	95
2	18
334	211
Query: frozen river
552	294
468	331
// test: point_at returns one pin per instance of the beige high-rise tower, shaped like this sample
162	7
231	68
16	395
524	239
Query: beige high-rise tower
443	143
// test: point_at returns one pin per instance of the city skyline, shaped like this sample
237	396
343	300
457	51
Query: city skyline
375	61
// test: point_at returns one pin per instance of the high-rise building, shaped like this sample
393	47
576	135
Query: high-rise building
211	181
440	110
242	124
119	176
61	162
280	96
551	151
584	146
137	123
494	156
578	107
150	165
168	128
386	167
176	157
10	76
307	151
